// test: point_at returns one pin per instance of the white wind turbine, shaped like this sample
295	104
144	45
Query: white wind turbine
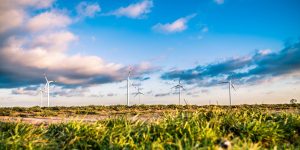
41	91
128	78
230	85
179	87
47	85
139	93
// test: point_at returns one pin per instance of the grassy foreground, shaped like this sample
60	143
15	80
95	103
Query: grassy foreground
248	127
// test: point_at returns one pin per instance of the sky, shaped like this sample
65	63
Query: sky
88	48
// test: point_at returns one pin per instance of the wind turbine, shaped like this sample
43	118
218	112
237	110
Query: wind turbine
47	85
179	87
128	78
185	102
230	85
41	91
139	93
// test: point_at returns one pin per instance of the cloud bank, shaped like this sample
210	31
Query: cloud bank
35	39
262	66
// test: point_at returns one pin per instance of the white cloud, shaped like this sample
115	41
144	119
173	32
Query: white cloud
12	12
64	92
219	2
23	91
137	10
48	20
178	25
56	61
87	10
38	4
54	41
264	52
40	44
66	69
15	18
55	91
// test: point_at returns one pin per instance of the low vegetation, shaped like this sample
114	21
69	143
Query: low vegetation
136	109
185	127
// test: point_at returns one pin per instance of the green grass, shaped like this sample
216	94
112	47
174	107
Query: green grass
246	127
122	109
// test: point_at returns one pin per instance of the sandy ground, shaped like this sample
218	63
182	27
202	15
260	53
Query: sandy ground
46	120
87	118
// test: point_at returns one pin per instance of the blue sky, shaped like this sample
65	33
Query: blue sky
89	46
234	28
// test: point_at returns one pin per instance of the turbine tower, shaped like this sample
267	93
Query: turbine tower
47	85
41	91
128	86
230	85
179	87
139	93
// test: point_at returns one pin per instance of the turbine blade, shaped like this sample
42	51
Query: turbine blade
46	77
233	87
185	102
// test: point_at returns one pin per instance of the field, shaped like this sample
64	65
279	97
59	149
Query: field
151	127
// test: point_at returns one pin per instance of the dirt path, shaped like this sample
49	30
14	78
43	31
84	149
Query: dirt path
88	118
46	120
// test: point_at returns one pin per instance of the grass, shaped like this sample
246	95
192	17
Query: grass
122	109
188	127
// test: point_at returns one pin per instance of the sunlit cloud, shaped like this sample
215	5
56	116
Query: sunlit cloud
137	10
41	46
13	14
48	20
178	25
